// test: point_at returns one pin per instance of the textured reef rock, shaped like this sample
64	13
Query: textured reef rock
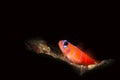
40	46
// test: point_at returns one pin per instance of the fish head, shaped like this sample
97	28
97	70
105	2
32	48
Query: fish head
64	46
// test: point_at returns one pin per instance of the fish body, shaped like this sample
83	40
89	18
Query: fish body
75	54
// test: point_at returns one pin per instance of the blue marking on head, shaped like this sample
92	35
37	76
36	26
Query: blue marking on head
65	43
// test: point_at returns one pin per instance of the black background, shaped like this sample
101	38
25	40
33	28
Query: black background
96	27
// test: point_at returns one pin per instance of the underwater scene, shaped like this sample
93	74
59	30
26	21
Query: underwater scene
74	55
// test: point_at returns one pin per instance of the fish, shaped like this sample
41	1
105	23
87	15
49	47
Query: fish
75	54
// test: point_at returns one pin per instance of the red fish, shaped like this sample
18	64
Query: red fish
75	54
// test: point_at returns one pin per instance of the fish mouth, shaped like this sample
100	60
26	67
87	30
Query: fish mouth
60	42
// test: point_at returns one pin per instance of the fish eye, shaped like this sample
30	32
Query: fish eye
65	43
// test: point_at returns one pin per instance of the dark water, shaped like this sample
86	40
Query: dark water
96	33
